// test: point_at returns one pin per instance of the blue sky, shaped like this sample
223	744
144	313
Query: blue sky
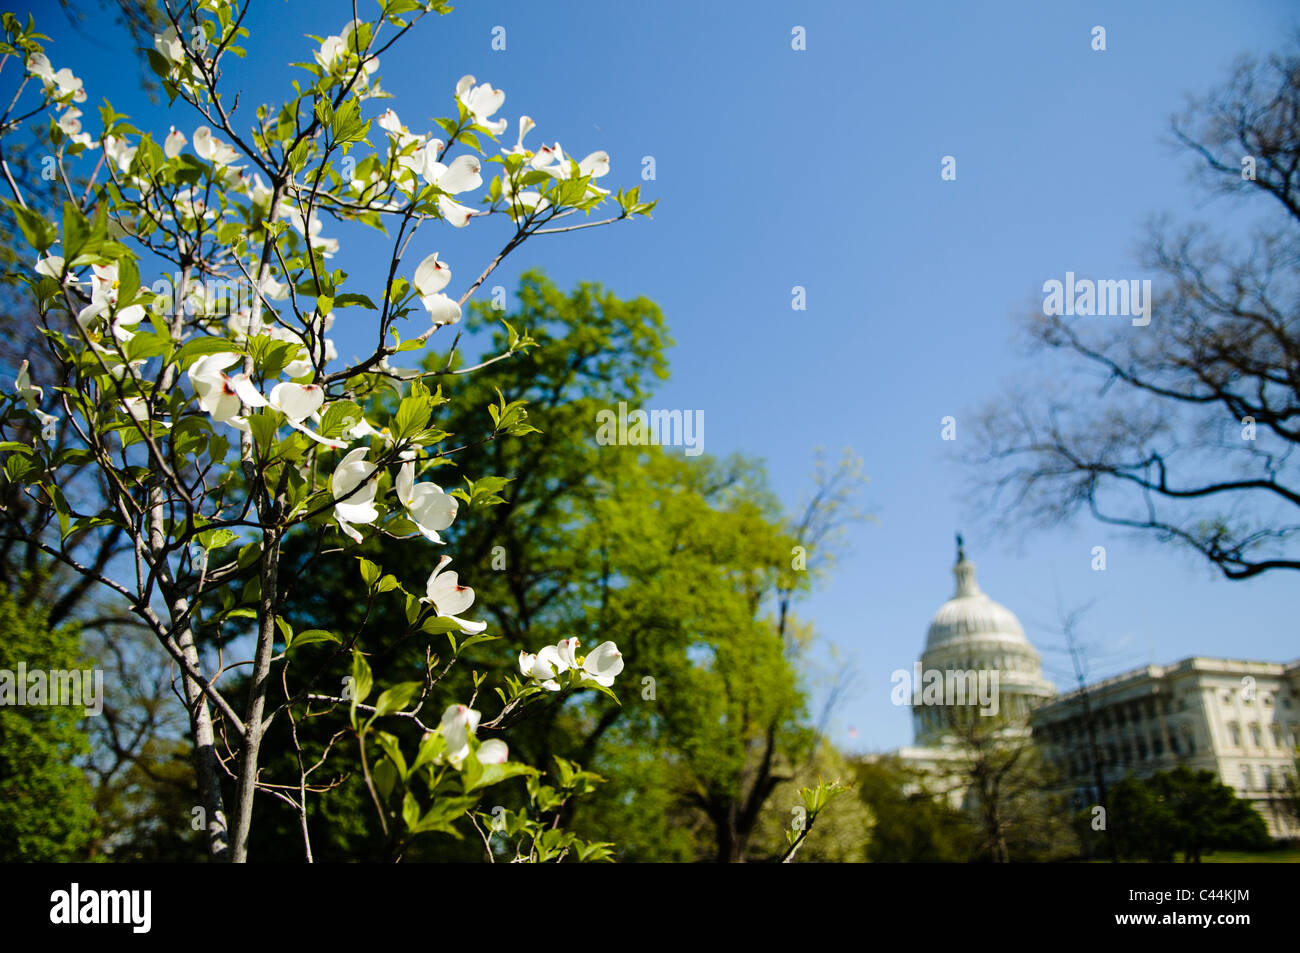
820	168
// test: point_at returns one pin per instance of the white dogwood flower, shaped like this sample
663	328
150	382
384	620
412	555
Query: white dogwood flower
453	213
603	663
50	266
463	174
297	402
458	723
544	666
120	152
526	124
359	506
493	751
59	84
429	507
170	45
442	309
70	123
174	143
219	394
431	276
49	425
481	101
448	597
211	149
327	246
28	392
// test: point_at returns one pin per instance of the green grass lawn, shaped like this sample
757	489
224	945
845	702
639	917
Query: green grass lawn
1253	857
1239	857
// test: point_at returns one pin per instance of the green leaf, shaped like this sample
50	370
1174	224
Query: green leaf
369	572
77	233
263	426
431	747
436	625
474	775
393	749
475	639
412	416
338	417
362	680
385	775
216	538
39	232
410	811
413	608
193	349
444	811
396	698
311	636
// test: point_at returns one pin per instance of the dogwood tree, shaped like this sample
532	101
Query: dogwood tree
216	419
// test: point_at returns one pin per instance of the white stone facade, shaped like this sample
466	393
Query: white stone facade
1239	719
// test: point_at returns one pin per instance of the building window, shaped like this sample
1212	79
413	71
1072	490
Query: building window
1142	749
1157	746
1235	733
1266	774
1277	734
1190	738
1173	744
1245	777
1254	735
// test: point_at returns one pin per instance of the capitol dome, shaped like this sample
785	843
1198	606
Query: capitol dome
972	633
970	613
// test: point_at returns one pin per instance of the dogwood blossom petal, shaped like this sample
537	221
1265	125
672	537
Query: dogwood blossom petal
568	651
432	275
481	102
446	593
603	664
28	392
493	751
454	213
174	143
457	724
297	401
430	508
356	505
442	309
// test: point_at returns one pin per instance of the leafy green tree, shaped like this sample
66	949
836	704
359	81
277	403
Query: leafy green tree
684	561
844	830
913	824
1004	780
46	800
141	389
1185	811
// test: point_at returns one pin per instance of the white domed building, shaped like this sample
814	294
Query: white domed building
1238	718
976	654
973	634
